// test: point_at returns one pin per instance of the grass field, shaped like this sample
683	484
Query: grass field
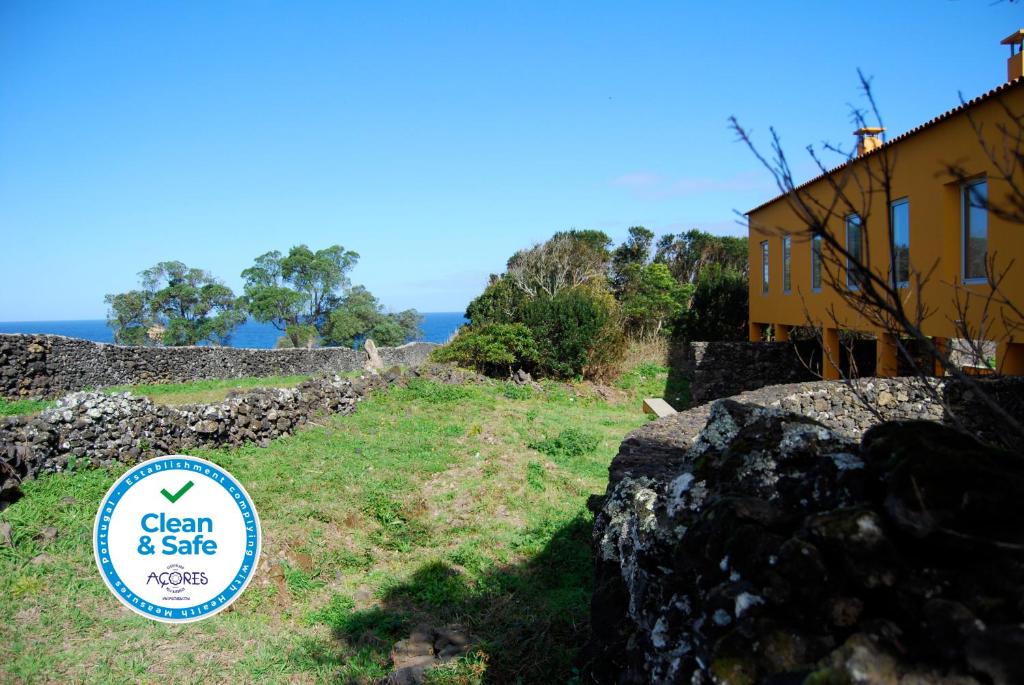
431	504
204	392
195	392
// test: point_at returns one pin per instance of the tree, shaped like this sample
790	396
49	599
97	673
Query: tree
500	302
359	315
128	315
181	305
718	307
688	253
636	251
578	331
296	292
650	297
568	260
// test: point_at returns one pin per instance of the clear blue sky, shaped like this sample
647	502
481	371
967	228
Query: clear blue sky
434	139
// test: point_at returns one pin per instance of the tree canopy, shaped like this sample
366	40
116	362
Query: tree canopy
296	292
359	315
176	305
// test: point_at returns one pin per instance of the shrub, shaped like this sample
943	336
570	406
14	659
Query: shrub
718	309
500	302
494	349
579	332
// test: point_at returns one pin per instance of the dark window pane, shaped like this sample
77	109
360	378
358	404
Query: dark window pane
855	248
975	199
901	241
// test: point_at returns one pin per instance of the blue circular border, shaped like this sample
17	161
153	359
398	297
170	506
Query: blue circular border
123	485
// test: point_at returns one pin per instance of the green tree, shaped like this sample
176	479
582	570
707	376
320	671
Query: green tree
651	298
129	317
177	305
718	308
578	332
500	302
688	253
634	252
359	315
296	292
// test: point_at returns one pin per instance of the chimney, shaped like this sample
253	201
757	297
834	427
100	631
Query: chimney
867	139
1015	65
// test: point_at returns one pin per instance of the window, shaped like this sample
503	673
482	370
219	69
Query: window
816	263
899	215
974	203
787	246
764	267
855	248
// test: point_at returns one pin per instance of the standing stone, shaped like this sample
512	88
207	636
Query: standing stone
373	360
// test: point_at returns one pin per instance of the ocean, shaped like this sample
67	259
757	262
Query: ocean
436	327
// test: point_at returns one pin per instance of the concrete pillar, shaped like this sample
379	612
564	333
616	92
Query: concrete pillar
886	355
756	331
941	348
1010	358
830	354
782	332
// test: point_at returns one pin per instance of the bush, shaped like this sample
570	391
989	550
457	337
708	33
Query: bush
494	349
579	333
718	310
500	302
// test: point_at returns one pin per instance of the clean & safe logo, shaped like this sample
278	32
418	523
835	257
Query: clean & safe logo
177	539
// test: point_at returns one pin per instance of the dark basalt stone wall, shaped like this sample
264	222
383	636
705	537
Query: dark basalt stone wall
795	536
51	365
97	429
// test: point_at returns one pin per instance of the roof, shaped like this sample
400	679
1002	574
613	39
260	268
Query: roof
917	129
1014	38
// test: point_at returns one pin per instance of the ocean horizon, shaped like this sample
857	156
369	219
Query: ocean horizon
437	327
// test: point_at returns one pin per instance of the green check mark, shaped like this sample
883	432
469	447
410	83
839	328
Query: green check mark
176	496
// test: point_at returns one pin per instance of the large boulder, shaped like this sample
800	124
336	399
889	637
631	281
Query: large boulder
770	549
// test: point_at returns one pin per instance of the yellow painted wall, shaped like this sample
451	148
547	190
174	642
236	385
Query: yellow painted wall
920	174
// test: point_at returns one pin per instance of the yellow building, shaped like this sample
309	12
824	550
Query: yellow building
953	208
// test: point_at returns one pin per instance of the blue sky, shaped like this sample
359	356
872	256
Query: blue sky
434	139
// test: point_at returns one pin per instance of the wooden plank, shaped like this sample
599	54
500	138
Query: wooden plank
658	407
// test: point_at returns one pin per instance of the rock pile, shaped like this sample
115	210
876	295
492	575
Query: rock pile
772	549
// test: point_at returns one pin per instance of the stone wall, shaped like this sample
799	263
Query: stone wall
723	369
97	429
792	537
50	365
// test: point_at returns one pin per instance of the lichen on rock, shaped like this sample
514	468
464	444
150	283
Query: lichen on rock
811	557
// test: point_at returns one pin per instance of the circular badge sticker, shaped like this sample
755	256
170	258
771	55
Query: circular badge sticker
177	539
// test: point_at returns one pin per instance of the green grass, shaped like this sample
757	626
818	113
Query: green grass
653	380
427	505
17	407
204	392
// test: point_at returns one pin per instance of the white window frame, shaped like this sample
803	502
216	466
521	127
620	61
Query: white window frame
892	248
964	208
765	267
816	242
